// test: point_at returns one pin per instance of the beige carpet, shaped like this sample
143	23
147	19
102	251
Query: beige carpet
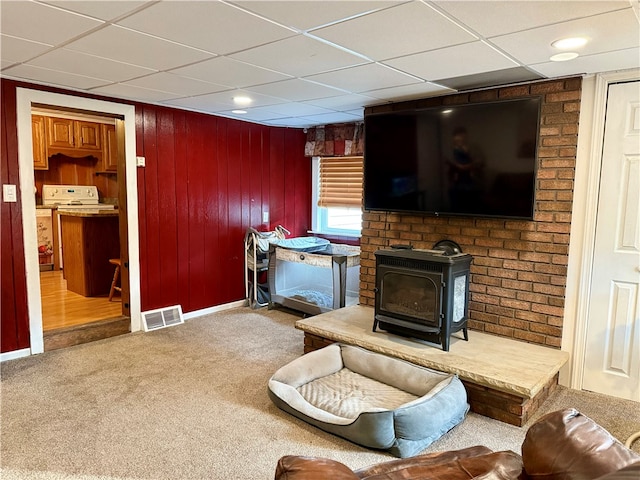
190	402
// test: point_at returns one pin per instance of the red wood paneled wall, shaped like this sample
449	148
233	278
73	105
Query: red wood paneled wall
14	323
206	180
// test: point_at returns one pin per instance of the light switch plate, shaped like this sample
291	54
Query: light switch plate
265	217
140	161
9	193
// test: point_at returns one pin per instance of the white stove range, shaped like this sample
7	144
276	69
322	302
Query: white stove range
68	198
72	198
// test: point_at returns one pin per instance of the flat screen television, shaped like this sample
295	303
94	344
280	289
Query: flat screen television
475	159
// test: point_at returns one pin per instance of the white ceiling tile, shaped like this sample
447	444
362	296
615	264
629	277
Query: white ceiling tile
304	15
127	46
89	65
363	78
344	102
326	118
296	90
134	93
253	114
212	26
401	30
5	63
291	122
225	99
357	112
54	77
225	71
183	86
18	50
42	23
294	109
490	18
504	76
201	103
606	32
408	92
601	62
104	10
304	56
451	62
258	100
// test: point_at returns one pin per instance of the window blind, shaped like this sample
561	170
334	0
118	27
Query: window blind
340	182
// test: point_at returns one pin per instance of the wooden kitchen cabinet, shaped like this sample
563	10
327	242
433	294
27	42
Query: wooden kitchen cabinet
60	132
78	134
38	128
88	135
72	138
110	152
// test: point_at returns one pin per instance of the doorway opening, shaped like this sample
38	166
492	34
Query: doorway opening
115	174
78	198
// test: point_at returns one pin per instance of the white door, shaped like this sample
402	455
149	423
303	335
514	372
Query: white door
612	356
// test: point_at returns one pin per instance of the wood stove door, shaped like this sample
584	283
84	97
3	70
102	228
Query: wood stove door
410	295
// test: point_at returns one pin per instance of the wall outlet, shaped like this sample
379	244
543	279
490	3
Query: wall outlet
9	193
265	217
140	161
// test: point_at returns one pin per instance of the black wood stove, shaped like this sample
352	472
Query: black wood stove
423	293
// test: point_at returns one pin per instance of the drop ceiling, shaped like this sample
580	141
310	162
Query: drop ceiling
308	62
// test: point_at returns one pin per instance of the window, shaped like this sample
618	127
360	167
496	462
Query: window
337	195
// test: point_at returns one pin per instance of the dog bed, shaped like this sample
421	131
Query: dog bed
370	399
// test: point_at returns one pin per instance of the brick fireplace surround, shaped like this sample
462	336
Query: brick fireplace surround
519	268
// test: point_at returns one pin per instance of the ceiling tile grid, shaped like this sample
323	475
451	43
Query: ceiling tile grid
130	46
305	62
227	71
55	77
79	63
299	56
306	15
398	31
17	50
194	24
43	23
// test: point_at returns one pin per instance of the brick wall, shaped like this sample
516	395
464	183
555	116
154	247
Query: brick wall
519	268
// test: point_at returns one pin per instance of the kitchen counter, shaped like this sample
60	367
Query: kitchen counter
88	213
89	240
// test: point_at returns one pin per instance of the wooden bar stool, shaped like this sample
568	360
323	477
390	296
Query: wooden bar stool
116	276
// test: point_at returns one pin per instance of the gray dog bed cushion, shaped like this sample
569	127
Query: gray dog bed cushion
371	399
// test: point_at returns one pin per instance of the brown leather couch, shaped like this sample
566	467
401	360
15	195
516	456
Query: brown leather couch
563	445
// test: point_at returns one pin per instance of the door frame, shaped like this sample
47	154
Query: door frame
25	98
583	219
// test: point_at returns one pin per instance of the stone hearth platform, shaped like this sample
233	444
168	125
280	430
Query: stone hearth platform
505	379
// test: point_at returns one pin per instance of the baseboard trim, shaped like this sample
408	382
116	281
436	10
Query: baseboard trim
25	352
217	308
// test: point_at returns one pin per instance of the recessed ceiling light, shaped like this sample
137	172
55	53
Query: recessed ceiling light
568	43
241	100
239	112
563	57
